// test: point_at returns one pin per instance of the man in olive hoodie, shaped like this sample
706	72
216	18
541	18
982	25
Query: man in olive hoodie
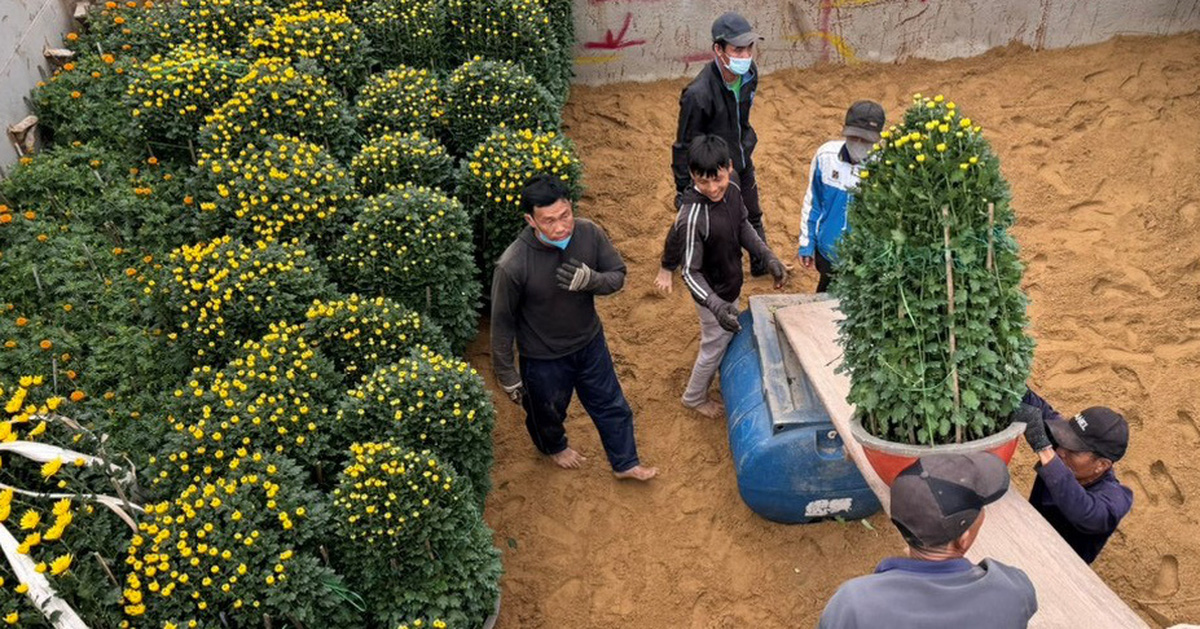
543	298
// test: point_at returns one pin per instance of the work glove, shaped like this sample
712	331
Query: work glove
727	316
576	276
778	272
1035	427
515	392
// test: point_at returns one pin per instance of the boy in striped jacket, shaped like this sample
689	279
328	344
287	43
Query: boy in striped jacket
706	242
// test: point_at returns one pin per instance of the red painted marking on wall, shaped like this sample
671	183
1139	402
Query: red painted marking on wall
618	41
826	19
697	57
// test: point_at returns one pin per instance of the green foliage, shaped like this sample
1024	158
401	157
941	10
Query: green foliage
219	292
277	394
409	32
493	175
427	401
170	94
482	93
400	100
82	101
223	26
133	28
519	31
237	528
398	159
411	541
278	186
275	97
86	188
414	246
933	178
361	334
327	38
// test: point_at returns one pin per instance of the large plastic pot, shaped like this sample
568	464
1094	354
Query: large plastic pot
889	458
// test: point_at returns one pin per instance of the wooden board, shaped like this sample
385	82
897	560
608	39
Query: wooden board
1069	593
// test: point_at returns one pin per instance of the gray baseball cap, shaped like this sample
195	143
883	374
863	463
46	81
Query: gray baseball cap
864	119
937	498
733	29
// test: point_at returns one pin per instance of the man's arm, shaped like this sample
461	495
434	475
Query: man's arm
506	303
1089	512
691	124
609	266
1036	401
693	216
750	241
808	218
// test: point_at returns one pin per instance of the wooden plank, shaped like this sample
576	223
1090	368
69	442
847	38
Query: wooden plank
1069	593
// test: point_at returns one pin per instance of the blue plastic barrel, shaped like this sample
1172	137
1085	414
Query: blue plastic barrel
788	457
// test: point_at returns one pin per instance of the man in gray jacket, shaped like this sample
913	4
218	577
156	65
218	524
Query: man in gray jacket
543	298
938	505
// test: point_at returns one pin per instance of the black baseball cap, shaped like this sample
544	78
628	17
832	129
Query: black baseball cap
1097	429
937	498
733	29
864	120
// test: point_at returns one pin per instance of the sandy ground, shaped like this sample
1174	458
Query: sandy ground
1102	148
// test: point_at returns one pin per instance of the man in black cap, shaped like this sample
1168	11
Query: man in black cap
1076	489
938	505
832	177
717	102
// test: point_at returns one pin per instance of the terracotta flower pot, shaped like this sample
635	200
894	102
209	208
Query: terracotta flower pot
889	458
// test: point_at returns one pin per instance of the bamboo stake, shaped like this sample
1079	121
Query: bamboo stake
991	259
958	436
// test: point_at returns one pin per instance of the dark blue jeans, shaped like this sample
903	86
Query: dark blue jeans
589	373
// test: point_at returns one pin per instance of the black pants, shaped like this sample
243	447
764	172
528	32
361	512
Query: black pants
589	373
825	268
758	266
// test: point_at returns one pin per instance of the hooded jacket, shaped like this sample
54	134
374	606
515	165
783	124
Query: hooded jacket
708	107
529	307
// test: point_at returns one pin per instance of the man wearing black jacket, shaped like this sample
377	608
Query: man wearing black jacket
706	241
543	299
717	102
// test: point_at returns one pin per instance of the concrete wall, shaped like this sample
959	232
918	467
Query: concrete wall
643	40
26	28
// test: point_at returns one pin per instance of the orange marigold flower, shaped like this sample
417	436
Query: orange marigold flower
118	20
107	58
5	218
71	374
22	322
110	5
188	200
131	271
72	36
152	161
42	238
30	215
77	396
96	75
76	94
46	344
68	66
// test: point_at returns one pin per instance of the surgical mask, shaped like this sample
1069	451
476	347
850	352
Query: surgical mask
739	66
561	244
858	151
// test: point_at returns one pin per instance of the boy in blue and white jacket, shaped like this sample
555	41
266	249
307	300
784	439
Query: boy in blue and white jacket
832	178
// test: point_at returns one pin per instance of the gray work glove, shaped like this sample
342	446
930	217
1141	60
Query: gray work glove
515	392
1035	427
576	276
778	272
727	315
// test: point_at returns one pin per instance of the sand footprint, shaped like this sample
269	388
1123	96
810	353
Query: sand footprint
1189	422
1134	480
1166	584
1167	482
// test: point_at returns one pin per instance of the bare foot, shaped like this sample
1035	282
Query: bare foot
568	459
709	408
637	472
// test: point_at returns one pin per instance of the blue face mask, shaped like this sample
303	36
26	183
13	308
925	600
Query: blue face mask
561	244
739	66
